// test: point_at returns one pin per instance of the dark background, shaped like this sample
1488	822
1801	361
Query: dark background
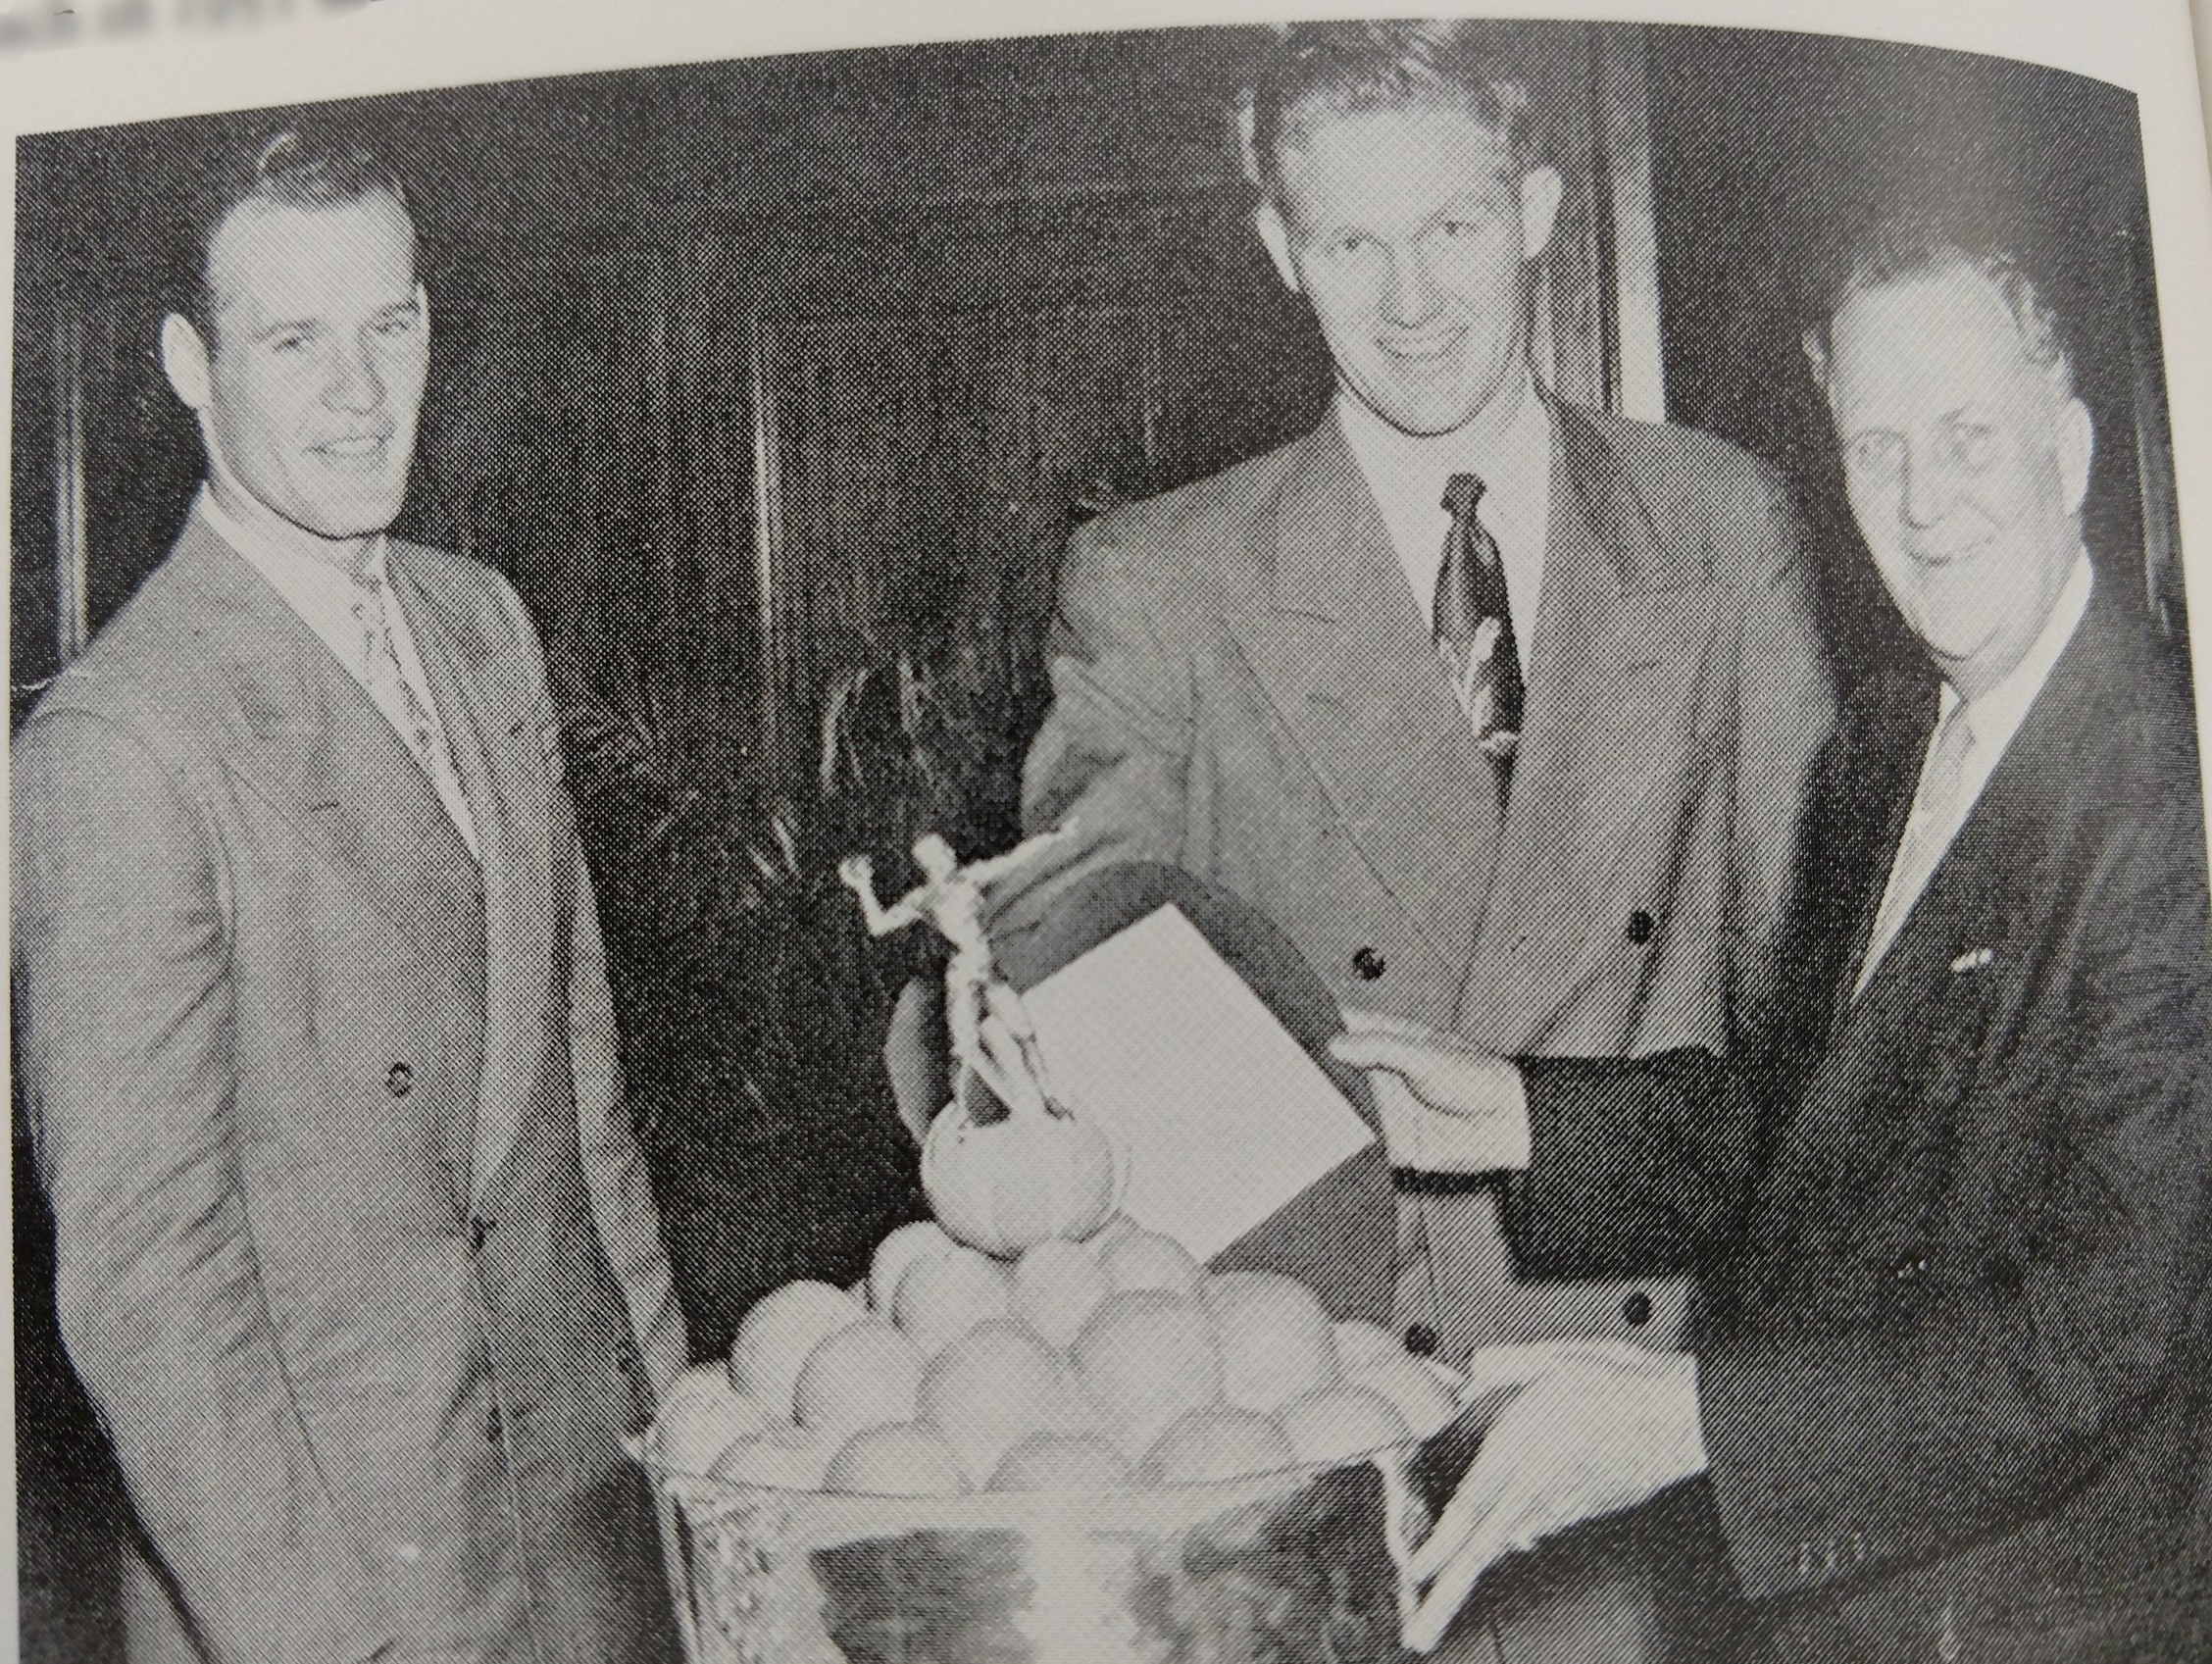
775	388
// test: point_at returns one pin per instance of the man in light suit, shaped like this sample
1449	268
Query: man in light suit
1501	708
1250	684
355	1251
1949	1393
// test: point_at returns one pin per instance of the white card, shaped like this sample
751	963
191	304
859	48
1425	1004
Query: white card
1222	1117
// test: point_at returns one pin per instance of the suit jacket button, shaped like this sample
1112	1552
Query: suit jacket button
1422	1341
1368	965
1641	927
1637	1308
399	1080
1909	1267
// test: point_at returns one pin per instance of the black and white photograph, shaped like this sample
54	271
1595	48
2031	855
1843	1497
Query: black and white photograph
1314	842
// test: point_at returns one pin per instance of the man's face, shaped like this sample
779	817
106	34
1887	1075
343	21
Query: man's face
308	394
1406	230
1966	462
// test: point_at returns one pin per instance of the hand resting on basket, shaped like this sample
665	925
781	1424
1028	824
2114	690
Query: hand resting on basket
1591	1428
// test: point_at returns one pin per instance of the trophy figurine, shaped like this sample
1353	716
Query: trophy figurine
992	1038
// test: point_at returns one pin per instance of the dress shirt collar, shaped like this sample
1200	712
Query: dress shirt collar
1407	474
1995	717
1509	454
320	589
268	555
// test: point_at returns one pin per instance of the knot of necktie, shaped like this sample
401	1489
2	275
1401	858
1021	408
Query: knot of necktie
1463	496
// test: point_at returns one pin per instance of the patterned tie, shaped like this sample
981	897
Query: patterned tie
1928	837
1474	628
386	676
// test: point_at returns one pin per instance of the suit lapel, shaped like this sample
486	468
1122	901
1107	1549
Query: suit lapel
494	753
1886	751
312	745
1967	951
1999	869
1340	650
1624	633
1908	1050
446	645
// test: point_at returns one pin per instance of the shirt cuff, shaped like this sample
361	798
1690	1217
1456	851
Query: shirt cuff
1421	1139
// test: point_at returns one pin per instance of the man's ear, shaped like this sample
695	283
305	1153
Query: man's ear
1541	189
184	361
2073	442
1266	219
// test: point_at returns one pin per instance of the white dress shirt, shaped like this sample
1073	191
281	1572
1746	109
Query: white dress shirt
1993	720
325	594
1407	474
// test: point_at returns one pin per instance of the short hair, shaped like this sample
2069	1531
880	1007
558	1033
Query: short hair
295	168
1324	69
1902	245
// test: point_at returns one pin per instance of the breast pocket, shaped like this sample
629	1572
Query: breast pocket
1956	1007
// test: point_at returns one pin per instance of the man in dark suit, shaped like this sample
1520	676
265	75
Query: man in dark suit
1949	1391
355	1252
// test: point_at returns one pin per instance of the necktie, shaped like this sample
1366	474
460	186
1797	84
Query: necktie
407	707
1929	831
1474	627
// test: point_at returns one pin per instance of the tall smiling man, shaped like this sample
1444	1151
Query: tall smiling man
355	1252
1501	708
1949	1394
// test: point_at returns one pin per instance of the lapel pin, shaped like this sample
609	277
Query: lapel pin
1973	959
